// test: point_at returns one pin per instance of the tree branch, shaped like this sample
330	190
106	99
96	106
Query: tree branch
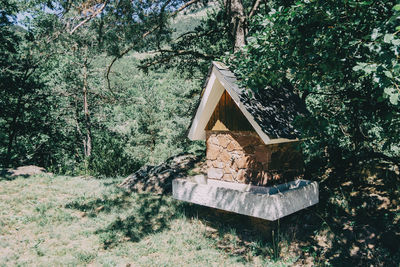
123	53
175	53
132	46
187	52
254	8
95	13
194	34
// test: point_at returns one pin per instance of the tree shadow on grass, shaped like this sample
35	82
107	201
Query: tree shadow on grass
138	215
235	234
118	198
7	175
144	214
354	223
152	215
357	222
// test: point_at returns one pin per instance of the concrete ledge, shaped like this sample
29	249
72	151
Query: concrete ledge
269	203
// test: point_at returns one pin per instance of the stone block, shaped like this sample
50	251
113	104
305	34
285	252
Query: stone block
241	176
269	203
213	152
233	146
227	169
224	140
242	162
234	166
209	163
225	157
212	139
241	150
237	153
215	173
228	177
218	164
234	173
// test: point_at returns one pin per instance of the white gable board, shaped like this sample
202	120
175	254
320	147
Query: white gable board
214	89
209	101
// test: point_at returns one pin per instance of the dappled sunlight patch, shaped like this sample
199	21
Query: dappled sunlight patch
245	238
87	221
148	214
45	226
91	206
36	226
355	222
184	243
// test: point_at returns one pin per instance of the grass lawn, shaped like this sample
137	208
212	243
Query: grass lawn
53	221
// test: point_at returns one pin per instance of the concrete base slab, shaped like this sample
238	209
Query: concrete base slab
269	203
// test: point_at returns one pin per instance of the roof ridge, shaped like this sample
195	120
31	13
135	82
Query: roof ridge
220	65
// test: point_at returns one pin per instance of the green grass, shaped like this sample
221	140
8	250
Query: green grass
75	221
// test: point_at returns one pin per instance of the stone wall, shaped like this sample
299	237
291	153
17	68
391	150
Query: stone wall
242	157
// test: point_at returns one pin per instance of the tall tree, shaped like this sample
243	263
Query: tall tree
224	30
125	26
23	100
342	58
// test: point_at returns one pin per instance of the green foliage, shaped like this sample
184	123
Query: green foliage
383	67
324	48
26	103
196	44
144	120
59	112
148	122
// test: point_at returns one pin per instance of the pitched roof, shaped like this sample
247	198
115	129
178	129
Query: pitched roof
271	111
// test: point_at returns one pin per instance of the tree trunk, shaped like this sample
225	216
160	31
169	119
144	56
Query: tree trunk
12	131
238	22
87	142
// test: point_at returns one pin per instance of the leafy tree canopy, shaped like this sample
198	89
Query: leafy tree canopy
342	58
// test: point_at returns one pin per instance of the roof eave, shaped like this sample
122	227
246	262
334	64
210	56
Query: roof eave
211	95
